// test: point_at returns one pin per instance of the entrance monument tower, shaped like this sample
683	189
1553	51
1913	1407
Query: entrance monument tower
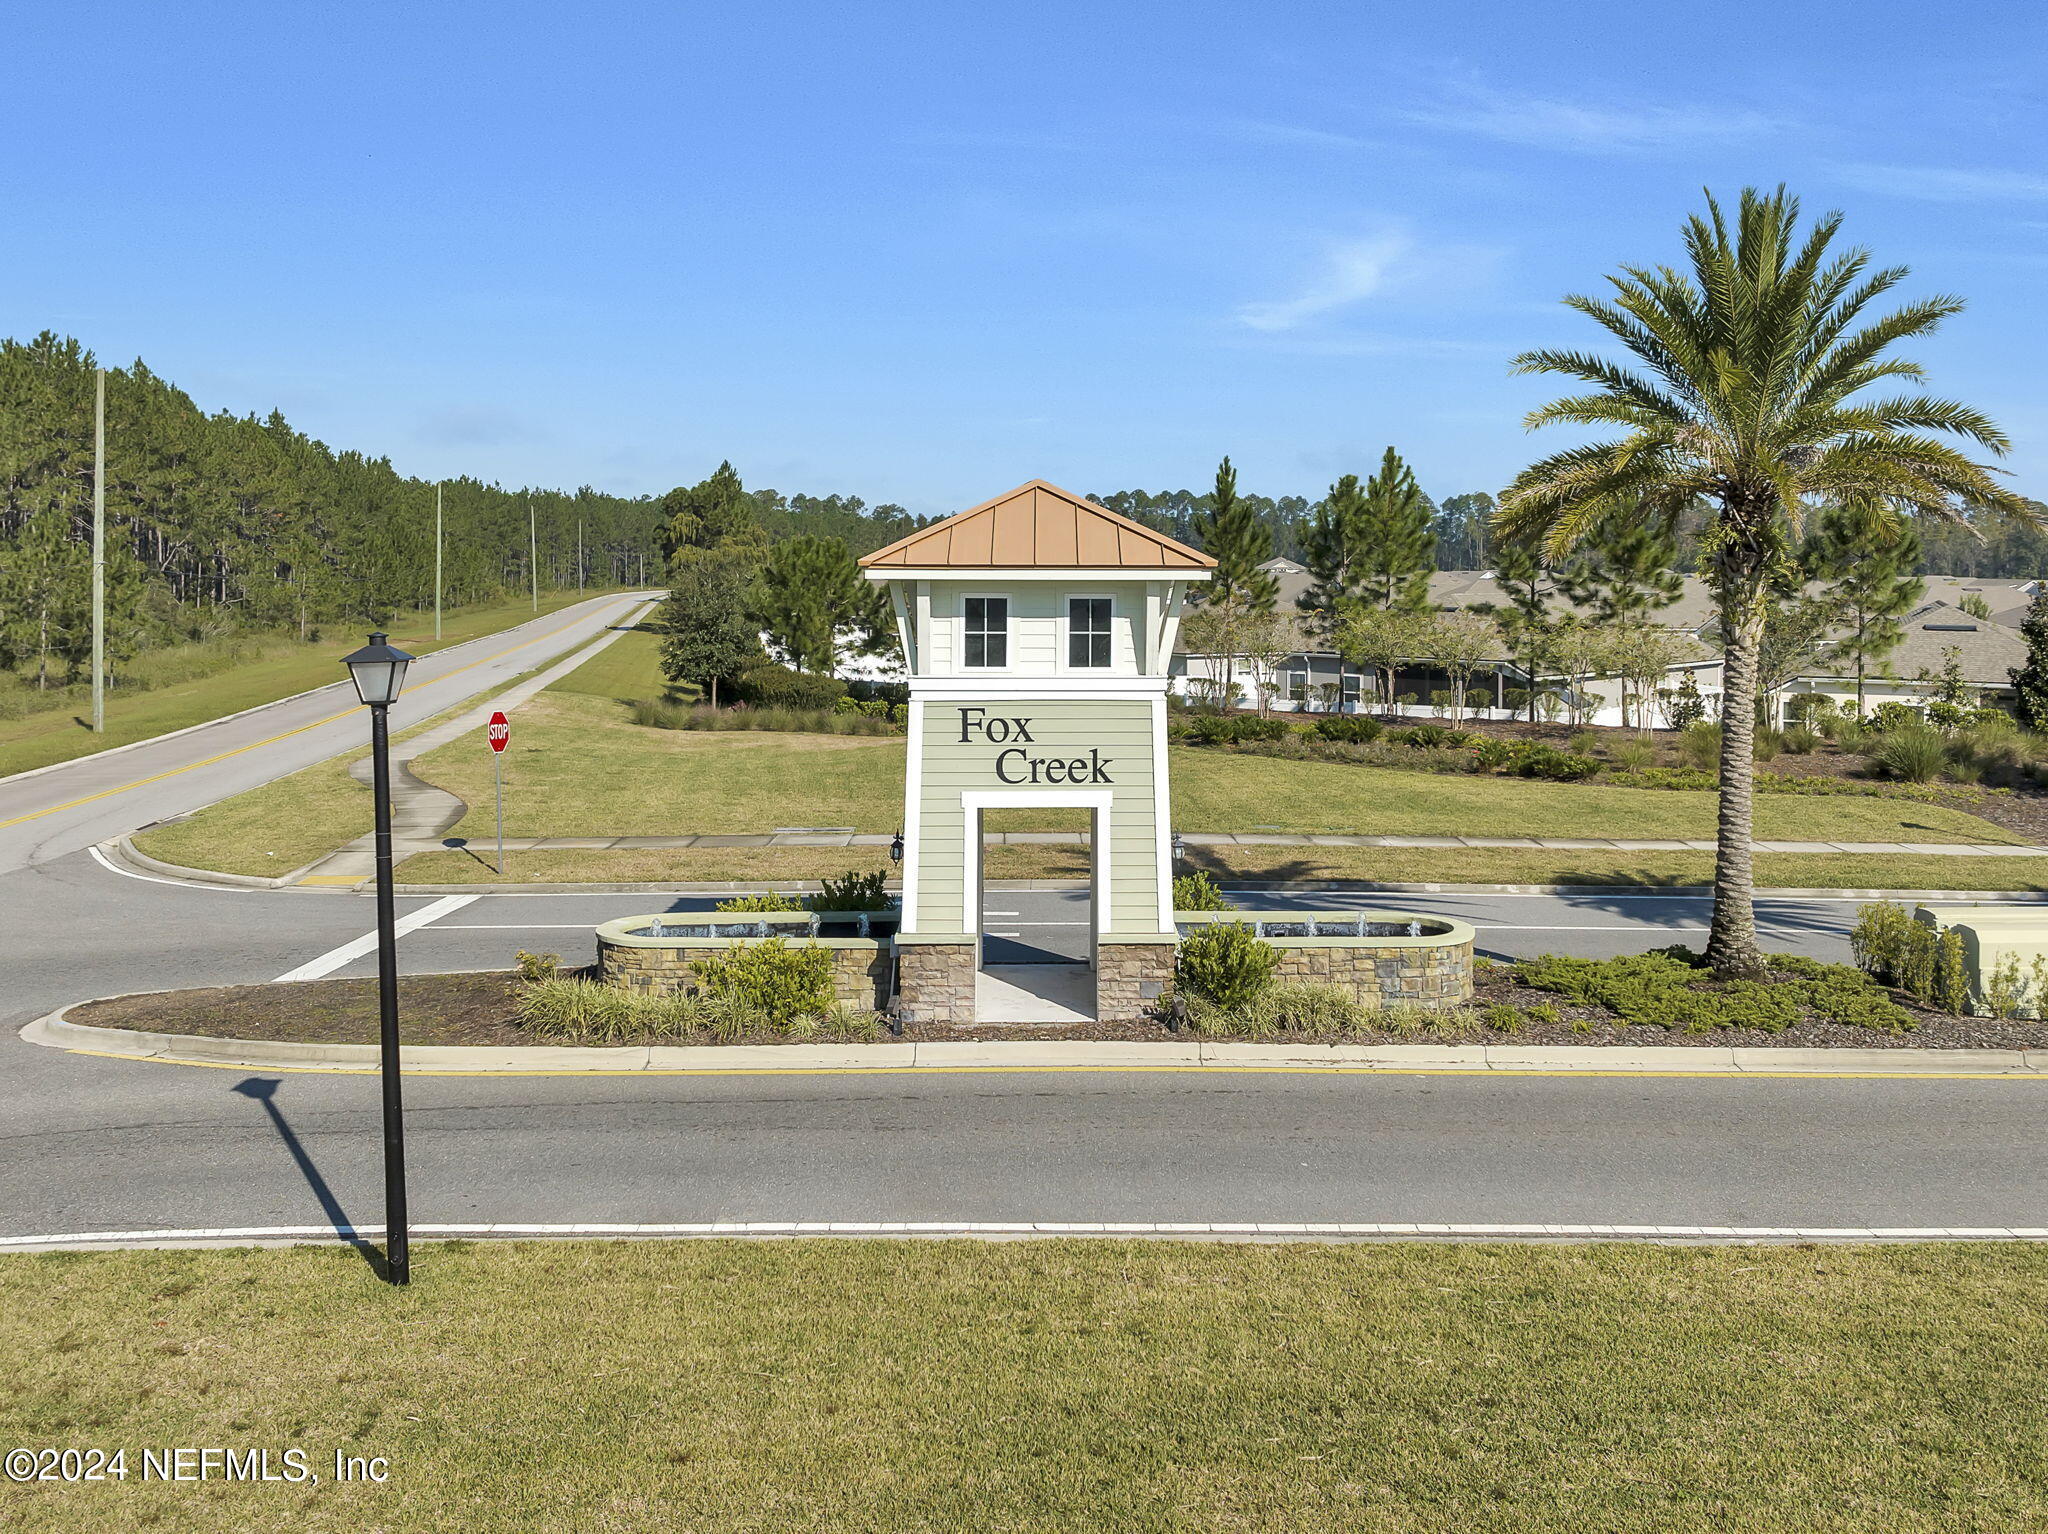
1038	630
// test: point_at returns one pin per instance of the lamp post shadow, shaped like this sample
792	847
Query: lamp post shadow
263	1089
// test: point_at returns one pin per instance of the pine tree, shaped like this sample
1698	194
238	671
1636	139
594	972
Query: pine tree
1328	542
1624	571
710	514
1870	567
812	600
1527	623
1395	550
2030	678
1239	542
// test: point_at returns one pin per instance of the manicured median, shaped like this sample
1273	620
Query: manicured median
1055	1386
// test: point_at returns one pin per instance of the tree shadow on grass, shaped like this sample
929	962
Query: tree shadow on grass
263	1089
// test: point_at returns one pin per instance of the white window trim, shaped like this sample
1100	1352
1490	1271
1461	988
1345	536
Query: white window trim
1065	625
974	800
1009	665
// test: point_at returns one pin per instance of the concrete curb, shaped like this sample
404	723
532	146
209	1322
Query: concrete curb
56	1032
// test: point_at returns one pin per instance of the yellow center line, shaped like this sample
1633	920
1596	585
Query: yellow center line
1095	1070
258	745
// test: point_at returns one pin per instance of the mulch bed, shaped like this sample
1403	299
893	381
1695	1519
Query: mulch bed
480	1009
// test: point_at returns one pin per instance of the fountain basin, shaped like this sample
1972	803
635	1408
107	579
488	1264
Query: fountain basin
1384	958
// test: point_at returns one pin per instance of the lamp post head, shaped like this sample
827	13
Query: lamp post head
896	849
378	670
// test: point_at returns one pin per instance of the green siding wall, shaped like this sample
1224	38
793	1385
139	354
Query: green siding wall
1062	729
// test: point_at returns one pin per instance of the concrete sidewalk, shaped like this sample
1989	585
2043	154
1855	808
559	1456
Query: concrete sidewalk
420	812
840	836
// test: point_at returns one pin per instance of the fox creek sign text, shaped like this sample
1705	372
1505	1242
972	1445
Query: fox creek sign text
1016	765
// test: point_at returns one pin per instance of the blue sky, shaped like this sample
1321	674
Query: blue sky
921	253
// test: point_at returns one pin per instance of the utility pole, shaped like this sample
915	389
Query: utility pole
99	551
533	551
437	564
579	553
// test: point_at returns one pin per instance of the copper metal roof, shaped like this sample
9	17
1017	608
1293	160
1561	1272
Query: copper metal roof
1037	527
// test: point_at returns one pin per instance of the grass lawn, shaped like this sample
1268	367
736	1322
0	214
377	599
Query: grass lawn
1047	1386
627	669
577	768
57	736
585	772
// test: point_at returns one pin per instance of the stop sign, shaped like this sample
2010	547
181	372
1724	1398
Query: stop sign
500	731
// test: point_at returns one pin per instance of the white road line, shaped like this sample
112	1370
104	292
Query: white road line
112	867
1531	1231
1569	927
355	948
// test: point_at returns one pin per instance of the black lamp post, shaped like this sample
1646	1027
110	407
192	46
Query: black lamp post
378	671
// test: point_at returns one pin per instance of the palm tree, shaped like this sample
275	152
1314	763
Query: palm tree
1740	396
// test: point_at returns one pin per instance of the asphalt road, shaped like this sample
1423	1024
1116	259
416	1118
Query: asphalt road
95	1144
78	804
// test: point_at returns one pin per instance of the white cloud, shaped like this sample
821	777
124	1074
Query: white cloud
1354	270
1389	264
1603	128
1260	132
1938	184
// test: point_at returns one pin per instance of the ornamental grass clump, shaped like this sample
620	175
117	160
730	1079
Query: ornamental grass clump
1224	963
1912	753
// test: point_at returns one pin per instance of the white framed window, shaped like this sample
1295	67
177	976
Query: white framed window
988	632
1088	632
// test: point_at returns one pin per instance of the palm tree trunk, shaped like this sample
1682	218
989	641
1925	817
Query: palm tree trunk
1732	951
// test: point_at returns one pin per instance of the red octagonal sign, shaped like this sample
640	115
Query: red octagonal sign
500	731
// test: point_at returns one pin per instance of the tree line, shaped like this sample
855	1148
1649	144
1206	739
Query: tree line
222	525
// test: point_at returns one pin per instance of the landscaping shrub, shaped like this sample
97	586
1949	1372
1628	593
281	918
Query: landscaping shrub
1532	759
1230	729
1699	745
891	693
1479	698
1767	743
782	981
1354	728
1890	946
662	714
853	891
780	687
1912	753
1800	740
1664	991
538	966
1427	736
1586	742
1893	716
1198	892
773	900
1225	963
1502	1018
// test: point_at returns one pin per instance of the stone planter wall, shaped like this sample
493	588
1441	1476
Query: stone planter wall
661	966
935	978
1131	976
1431	969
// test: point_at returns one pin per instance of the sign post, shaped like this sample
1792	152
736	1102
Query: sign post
500	734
